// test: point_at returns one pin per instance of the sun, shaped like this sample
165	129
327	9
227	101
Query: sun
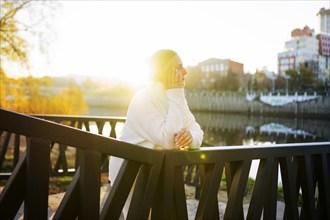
131	70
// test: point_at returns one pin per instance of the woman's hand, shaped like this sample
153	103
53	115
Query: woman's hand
183	138
175	80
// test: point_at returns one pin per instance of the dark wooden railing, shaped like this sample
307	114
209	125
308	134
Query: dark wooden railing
159	187
29	180
304	168
60	167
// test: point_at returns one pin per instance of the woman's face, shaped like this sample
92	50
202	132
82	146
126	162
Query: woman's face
177	67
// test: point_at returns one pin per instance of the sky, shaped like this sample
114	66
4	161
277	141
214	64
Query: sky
116	38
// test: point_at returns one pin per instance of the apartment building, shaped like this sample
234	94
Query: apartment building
220	67
308	48
324	20
301	49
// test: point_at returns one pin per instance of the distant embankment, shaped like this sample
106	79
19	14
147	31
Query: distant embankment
235	103
107	105
108	101
230	103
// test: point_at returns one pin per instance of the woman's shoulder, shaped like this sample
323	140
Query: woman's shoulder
150	92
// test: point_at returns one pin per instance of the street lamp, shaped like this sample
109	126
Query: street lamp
270	75
286	77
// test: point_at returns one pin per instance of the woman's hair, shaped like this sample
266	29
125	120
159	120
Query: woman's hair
160	63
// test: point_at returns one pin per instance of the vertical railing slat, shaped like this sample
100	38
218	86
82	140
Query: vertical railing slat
120	190
69	206
260	187
145	190
306	178
86	123
208	204
234	209
4	149
270	209
16	149
100	126
139	192
163	207
322	175
179	194
61	160
289	188
37	179
113	129
89	184
13	193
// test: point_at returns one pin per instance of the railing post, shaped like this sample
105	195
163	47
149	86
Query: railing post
271	193
89	184
100	126
113	129
179	194
289	188
4	148
16	150
322	174
61	160
306	176
37	179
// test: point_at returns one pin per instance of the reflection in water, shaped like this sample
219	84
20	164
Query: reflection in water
236	129
275	128
229	129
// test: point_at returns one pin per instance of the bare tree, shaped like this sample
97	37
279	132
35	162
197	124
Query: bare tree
24	24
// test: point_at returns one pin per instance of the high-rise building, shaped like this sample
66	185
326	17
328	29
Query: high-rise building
324	57
308	48
302	49
324	44
324	20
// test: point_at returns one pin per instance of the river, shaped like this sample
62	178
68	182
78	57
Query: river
238	129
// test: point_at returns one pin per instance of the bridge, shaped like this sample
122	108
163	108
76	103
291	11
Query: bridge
156	177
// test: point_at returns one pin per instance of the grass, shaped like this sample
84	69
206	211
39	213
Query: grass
59	184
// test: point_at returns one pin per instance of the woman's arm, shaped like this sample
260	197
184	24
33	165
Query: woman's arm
152	124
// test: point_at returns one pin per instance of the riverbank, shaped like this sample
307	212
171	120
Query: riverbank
234	103
319	107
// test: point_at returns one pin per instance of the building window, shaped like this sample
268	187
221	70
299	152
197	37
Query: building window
217	67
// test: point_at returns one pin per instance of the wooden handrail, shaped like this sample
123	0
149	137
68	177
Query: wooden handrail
35	127
304	169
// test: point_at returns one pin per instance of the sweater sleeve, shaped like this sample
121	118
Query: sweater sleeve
155	126
195	130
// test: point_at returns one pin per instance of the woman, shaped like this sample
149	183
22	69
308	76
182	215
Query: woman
158	115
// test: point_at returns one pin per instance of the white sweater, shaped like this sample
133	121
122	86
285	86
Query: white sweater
154	116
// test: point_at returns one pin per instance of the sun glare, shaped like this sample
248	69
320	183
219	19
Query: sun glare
115	39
